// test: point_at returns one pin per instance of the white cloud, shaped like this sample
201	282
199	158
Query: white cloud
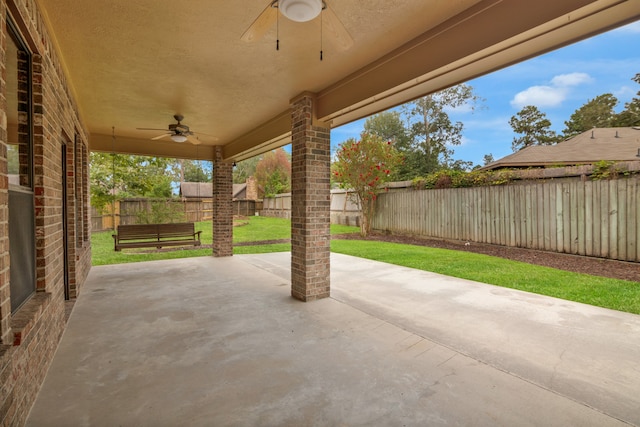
551	95
540	96
624	92
572	79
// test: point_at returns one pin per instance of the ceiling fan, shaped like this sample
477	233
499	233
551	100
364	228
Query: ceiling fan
178	132
299	11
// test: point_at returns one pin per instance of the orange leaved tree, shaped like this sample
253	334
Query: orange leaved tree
273	173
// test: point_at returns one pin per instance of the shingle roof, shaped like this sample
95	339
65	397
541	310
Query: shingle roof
238	188
611	144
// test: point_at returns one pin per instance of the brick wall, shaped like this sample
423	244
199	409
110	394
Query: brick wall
30	335
252	189
222	206
310	204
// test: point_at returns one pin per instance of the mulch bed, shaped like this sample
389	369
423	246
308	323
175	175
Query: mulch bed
576	263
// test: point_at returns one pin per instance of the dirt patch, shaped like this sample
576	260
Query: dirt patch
579	264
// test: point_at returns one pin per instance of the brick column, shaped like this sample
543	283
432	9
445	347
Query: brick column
222	205
310	203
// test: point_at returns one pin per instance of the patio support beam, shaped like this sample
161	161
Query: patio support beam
310	201
222	205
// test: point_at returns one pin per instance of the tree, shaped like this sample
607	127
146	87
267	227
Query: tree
273	172
244	169
365	167
487	158
630	116
534	127
596	113
459	165
431	130
389	126
115	176
197	171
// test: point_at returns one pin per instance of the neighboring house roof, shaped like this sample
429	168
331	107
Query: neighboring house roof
205	189
240	191
611	144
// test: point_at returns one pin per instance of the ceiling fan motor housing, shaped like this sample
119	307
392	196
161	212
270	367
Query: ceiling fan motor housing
178	128
300	10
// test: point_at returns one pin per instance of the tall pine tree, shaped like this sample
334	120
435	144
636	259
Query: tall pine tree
534	127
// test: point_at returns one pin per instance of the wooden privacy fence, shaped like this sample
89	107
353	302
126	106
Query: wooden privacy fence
594	218
198	209
127	211
343	209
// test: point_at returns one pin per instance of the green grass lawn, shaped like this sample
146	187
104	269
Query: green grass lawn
252	229
599	291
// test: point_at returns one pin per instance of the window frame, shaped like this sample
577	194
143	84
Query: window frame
23	276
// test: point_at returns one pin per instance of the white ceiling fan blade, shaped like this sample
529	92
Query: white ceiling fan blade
208	137
336	30
155	138
194	140
261	25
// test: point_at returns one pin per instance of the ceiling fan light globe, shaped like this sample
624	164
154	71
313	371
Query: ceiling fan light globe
300	10
178	138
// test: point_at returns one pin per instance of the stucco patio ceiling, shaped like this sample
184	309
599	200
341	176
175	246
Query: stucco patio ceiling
134	64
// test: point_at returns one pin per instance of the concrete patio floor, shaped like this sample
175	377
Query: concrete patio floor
219	342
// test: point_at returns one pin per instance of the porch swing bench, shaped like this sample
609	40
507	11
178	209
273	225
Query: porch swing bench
156	235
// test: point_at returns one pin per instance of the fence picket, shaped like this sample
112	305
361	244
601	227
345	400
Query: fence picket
632	214
613	218
588	218
621	241
573	219
594	218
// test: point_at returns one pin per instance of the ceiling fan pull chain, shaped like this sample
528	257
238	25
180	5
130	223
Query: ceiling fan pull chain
321	13
278	31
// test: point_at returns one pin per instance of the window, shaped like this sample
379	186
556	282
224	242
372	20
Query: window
79	193
85	193
18	80
20	168
81	170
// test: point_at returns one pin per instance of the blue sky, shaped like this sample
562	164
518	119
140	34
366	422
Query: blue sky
557	83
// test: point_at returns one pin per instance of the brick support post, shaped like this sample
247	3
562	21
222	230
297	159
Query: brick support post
222	206
310	203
